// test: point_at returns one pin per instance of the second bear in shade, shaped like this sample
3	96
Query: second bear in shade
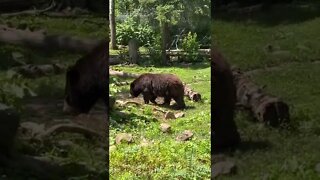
152	86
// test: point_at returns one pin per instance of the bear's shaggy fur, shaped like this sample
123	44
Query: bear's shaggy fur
152	86
225	134
86	81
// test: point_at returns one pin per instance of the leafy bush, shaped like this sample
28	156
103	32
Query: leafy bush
191	46
190	43
131	29
13	89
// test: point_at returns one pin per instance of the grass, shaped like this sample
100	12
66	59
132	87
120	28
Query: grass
50	90
165	158
269	153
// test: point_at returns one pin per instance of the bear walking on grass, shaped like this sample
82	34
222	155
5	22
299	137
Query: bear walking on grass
152	86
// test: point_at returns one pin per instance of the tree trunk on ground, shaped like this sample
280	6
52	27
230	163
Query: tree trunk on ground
164	42
133	51
265	108
36	71
49	43
112	22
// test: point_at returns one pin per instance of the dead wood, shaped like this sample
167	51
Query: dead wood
45	42
36	71
202	52
70	128
192	95
123	74
30	12
265	108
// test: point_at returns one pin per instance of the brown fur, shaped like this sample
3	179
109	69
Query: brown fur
86	81
224	129
152	86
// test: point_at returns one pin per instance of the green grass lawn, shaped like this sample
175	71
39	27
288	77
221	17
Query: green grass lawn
269	153
164	158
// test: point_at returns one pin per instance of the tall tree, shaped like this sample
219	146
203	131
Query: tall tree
167	14
112	20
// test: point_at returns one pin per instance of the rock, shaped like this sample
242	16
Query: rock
223	168
169	115
31	129
112	148
179	115
9	120
124	137
186	135
164	127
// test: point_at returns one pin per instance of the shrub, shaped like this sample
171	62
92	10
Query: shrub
131	29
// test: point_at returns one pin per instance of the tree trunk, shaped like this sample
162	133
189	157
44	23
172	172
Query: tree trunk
112	24
265	108
133	51
164	42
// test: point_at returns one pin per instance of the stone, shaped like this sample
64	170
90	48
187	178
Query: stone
164	127
169	115
124	137
186	135
179	115
223	168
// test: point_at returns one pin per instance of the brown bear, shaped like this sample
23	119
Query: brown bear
86	81
225	134
152	86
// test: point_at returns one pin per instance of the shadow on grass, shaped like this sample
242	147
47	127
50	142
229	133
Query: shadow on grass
253	145
128	119
272	15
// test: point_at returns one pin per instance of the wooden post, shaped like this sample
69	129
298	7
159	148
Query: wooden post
133	51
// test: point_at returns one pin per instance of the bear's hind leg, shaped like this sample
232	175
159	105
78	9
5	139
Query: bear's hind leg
167	101
180	102
153	99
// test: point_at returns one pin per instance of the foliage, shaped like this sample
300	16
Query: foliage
13	89
190	43
130	29
191	15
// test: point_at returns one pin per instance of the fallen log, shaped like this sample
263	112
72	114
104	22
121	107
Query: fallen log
49	43
70	128
265	108
36	71
123	74
30	12
176	52
192	95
